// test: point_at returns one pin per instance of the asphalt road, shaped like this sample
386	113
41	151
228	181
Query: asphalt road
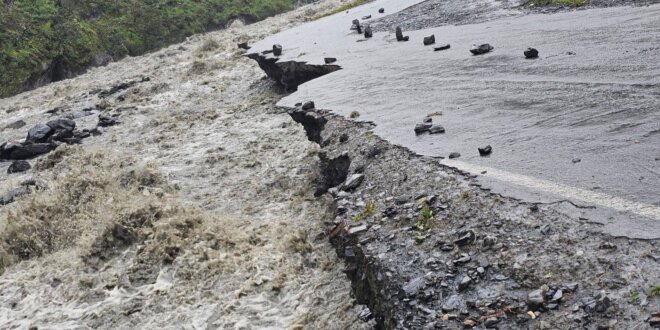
581	123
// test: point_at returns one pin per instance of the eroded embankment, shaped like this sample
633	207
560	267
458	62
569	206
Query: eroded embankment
290	74
425	247
195	210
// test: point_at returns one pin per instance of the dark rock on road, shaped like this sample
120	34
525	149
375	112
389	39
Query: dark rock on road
531	53
243	45
443	47
382	10
399	35
429	40
329	60
454	155
18	167
277	49
367	32
422	127
481	49
485	151
437	129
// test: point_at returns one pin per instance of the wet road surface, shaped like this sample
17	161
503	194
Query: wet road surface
581	123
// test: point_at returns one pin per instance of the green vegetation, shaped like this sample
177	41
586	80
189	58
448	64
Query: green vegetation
572	3
36	33
425	220
633	297
368	210
655	290
424	223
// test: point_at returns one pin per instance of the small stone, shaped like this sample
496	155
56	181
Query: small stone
485	151
576	160
309	105
358	229
501	277
422	127
557	296
352	182
465	238
437	129
454	302
442	47
382	10
427	120
481	270
535	299
491	321
329	60
463	259
18	167
465	283
430	40
277	49
411	288
531	53
481	49
367	32
469	323
571	287
105	121
454	155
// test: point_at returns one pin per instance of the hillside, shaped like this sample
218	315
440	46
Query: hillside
49	40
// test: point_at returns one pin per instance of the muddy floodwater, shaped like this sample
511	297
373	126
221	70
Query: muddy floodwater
580	123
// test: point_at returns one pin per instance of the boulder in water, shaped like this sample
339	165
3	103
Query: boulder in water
18	166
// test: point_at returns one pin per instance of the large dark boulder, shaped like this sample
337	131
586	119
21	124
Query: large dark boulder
62	128
430	40
30	150
39	133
